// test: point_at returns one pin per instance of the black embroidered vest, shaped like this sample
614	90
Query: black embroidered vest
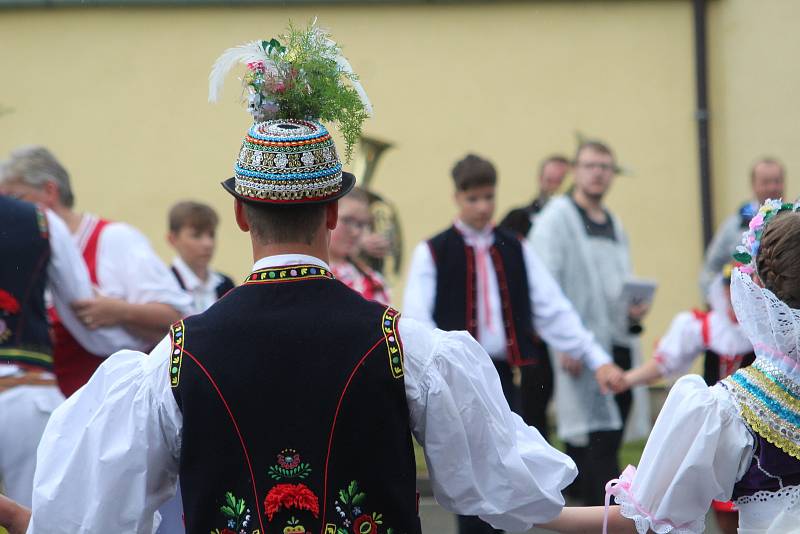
295	417
456	308
25	253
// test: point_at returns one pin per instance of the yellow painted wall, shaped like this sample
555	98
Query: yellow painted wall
755	110
120	96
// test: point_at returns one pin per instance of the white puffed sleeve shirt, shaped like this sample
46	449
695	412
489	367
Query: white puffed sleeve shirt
698	449
109	456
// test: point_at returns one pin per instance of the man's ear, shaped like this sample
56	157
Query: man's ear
241	217
53	194
171	238
331	215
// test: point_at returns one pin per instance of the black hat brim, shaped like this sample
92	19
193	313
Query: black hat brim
348	182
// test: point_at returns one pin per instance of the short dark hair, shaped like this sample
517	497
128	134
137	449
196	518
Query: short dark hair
769	161
554	158
473	171
284	224
597	146
201	217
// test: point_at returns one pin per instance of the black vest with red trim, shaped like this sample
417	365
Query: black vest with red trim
456	304
25	253
73	364
295	417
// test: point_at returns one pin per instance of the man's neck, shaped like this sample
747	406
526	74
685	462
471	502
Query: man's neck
474	228
70	218
592	205
275	249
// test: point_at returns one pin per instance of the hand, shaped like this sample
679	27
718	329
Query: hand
100	311
571	365
13	517
376	245
611	378
638	310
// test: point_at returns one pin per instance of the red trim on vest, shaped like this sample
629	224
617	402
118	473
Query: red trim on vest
333	427
238	432
514	356
472	308
72	363
705	328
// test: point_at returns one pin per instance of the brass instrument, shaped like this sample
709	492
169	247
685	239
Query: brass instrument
384	215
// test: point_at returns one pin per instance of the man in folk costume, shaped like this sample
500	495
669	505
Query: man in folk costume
38	253
136	290
489	282
289	405
586	250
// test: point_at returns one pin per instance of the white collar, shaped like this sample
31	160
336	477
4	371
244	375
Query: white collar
279	260
473	237
191	280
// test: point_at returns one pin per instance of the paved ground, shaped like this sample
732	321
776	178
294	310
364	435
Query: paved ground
435	520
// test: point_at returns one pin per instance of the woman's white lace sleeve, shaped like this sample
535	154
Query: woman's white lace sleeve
697	451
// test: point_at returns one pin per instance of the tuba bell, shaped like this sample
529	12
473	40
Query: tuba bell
385	220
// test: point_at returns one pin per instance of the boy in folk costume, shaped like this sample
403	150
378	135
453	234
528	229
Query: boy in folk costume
288	406
487	281
193	235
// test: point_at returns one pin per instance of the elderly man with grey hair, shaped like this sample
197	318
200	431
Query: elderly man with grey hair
135	289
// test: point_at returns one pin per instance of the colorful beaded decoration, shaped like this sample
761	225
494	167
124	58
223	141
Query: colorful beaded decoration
769	403
393	344
292	273
176	334
287	160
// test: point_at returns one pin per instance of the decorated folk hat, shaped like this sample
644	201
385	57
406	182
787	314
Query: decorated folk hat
288	156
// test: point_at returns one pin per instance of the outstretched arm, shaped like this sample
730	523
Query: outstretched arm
13	517
589	520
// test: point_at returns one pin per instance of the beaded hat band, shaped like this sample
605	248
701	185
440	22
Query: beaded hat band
288	162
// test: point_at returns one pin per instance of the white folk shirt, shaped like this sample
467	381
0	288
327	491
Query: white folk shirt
110	454
554	319
203	292
129	269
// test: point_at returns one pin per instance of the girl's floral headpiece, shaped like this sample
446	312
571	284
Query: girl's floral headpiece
751	240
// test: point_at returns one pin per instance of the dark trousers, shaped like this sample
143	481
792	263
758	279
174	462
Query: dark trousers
599	462
473	524
536	390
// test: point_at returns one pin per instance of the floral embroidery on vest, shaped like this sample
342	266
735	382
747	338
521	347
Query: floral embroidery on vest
393	345
8	306
237	513
354	518
288	495
176	334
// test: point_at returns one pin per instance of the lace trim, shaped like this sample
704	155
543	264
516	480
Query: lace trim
792	493
643	519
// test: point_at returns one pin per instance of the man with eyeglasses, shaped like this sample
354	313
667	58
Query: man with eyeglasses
586	250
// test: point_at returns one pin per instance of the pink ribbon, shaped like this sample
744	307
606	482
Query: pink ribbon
483	275
613	487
